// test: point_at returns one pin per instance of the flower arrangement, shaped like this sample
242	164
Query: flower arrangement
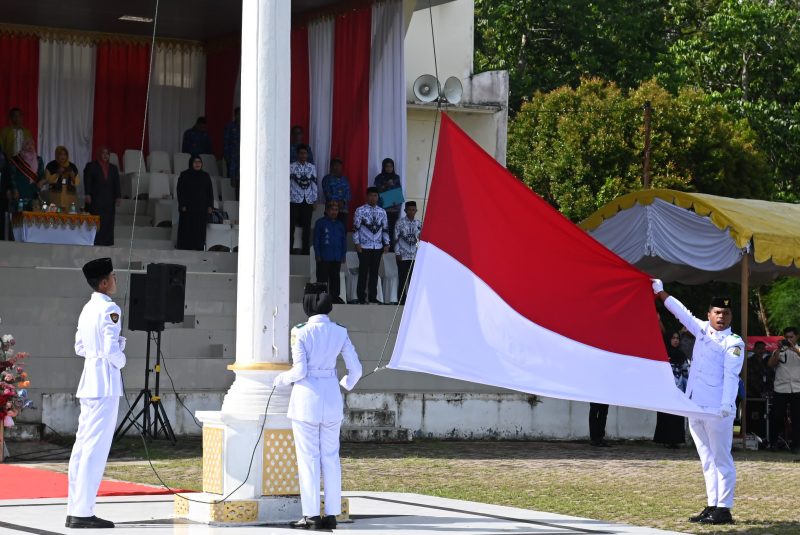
13	382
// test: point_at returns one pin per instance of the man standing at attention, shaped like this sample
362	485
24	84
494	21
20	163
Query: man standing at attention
98	341
371	238
717	359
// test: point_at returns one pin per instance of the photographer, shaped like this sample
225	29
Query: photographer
786	362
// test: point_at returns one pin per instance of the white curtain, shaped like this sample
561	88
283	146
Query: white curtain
320	65
669	232
177	95
387	94
66	100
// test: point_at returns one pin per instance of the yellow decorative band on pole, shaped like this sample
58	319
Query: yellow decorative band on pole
256	366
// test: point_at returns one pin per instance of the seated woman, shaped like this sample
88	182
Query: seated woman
27	175
195	201
62	176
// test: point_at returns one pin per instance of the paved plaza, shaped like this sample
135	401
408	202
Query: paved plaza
371	513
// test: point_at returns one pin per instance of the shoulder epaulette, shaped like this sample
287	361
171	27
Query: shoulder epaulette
340	325
735	335
299	325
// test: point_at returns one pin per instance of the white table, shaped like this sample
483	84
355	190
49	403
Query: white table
55	228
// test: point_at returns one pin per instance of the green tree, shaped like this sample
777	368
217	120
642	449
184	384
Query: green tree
746	55
580	148
783	304
545	44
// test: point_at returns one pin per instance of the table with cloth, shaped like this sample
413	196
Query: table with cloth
55	228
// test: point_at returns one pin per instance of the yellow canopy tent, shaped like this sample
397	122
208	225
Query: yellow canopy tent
694	238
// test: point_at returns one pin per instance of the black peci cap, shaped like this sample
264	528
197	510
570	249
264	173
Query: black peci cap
98	268
721	302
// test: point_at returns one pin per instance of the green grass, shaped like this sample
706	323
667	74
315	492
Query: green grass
634	483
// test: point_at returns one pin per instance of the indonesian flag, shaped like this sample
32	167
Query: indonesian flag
507	292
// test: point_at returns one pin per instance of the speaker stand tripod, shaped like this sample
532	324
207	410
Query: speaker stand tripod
158	423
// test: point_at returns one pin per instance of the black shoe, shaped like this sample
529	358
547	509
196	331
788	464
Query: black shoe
600	444
69	521
374	302
705	513
339	301
721	515
88	522
307	522
329	522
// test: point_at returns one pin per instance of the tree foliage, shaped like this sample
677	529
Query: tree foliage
783	304
580	148
549	43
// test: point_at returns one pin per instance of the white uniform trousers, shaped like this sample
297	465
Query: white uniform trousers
317	447
89	454
714	439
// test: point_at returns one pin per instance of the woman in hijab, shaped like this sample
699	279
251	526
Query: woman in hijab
195	200
388	180
27	174
62	176
101	184
671	429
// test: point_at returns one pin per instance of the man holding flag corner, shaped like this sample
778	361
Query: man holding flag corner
717	359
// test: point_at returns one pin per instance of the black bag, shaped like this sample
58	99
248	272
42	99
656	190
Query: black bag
217	216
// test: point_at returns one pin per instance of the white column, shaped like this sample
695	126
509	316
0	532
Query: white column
262	301
268	492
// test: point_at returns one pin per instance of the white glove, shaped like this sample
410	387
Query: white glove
279	381
122	342
727	410
658	286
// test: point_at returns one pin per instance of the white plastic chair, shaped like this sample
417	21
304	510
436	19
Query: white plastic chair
215	186
180	161
130	161
144	184
219	235
232	207
158	186
389	277
226	189
351	264
161	210
173	185
113	158
210	164
158	162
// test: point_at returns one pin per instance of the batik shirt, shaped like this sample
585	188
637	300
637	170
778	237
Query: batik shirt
303	188
370	227
406	236
336	188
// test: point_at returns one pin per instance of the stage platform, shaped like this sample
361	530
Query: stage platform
372	513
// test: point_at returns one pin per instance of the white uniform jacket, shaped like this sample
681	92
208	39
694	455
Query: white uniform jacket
99	342
316	397
717	359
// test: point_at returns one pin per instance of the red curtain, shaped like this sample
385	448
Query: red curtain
350	131
301	93
120	92
19	82
222	71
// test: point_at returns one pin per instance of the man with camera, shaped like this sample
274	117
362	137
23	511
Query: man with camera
786	362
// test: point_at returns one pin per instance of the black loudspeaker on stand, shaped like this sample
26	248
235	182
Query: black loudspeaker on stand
155	299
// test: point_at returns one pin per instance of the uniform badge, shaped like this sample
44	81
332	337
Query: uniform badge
114	317
737	351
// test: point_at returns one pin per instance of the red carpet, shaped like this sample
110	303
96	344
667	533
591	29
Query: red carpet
22	482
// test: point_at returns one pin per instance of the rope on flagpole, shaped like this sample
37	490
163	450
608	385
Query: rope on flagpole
436	115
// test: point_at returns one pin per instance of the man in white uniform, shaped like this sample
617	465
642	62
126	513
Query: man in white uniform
98	341
713	384
315	406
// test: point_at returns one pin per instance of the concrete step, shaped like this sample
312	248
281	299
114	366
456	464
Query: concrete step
23	431
123	232
142	219
369	418
178	343
15	254
376	434
126	207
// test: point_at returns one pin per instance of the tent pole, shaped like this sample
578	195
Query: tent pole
745	292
